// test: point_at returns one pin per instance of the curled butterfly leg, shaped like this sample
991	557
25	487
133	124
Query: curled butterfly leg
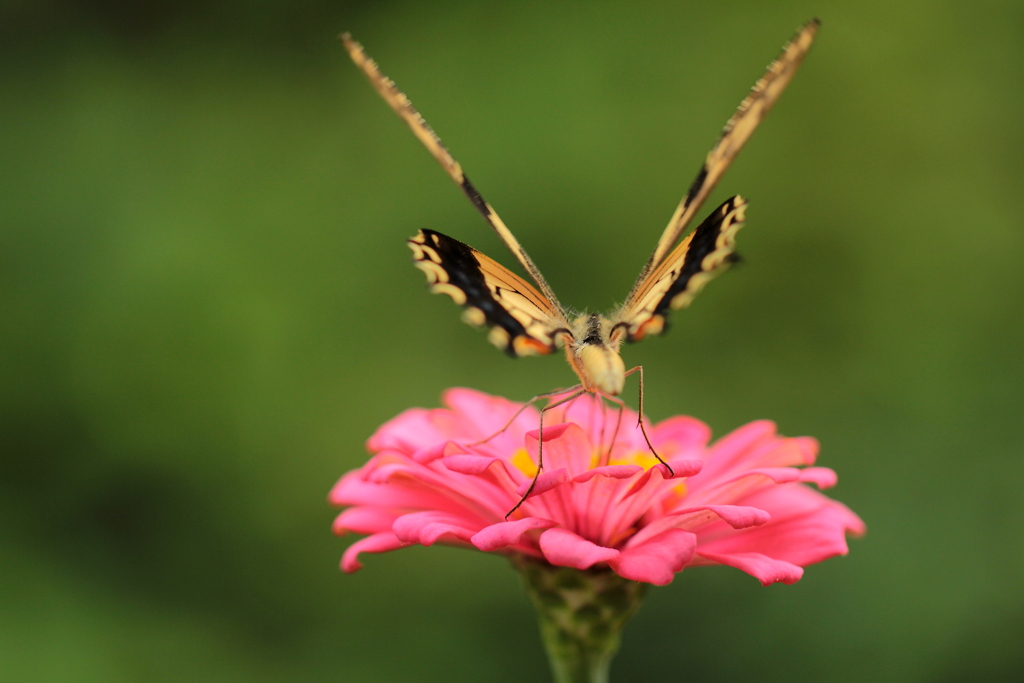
607	456
640	417
540	447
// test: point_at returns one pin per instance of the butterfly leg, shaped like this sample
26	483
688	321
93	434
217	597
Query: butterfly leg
550	394
606	458
640	416
540	446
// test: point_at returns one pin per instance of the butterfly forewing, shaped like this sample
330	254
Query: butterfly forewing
523	321
737	131
400	103
705	253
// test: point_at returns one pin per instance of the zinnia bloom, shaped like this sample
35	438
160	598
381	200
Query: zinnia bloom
741	501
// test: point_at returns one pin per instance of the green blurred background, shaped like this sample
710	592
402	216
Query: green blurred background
207	307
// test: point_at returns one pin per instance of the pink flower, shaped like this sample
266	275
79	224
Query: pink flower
741	501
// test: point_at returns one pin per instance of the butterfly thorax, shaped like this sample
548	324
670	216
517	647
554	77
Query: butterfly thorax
593	352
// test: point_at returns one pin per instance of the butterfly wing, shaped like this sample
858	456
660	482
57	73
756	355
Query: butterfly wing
705	253
402	106
523	321
737	131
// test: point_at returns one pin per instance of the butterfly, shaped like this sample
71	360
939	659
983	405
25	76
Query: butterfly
529	320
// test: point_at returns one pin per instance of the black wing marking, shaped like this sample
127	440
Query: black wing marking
522	320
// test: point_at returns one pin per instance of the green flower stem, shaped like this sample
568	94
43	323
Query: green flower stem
581	614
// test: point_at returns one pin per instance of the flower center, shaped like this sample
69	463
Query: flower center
522	461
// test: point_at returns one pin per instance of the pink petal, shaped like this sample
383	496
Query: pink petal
564	548
588	413
735	444
806	527
656	560
761	567
624	512
743	483
585	412
780	475
803	540
736	516
565	445
505	534
681	468
545	482
790	501
613	471
696	518
822	477
426	528
435	451
484	414
783	452
739	450
809	447
406	432
378	543
478	407
492	480
352	489
595	502
469	464
364	520
680	434
384	473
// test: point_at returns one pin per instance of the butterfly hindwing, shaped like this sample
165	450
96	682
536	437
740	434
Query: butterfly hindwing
523	322
705	253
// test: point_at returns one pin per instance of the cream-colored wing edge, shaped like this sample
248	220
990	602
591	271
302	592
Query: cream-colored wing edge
737	131
403	107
